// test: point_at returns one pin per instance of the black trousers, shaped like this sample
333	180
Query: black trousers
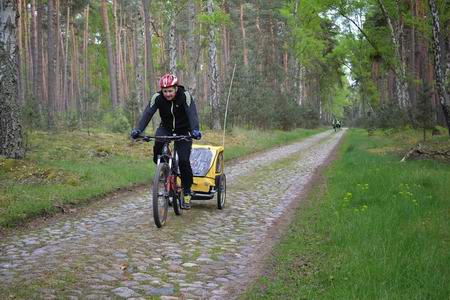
183	149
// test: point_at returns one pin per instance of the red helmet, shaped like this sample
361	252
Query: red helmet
168	80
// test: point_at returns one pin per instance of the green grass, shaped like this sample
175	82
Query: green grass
377	229
70	168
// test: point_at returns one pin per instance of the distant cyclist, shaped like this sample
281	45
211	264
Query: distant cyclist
336	124
178	116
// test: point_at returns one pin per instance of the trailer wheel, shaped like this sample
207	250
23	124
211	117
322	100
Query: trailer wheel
221	191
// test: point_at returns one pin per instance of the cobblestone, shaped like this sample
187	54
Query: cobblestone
117	251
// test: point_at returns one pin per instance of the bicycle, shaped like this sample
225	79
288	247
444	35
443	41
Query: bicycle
165	184
336	126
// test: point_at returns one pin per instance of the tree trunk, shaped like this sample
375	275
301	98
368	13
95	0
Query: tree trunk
85	53
75	84
117	52
71	78
21	53
142	78
51	51
140	63
213	73
34	53
181	49
412	55
226	43
286	63
447	56
66	66
28	68
298	69
11	144
397	40
300	78
112	67
172	45
57	83
259	66
42	55
39	78
273	51
123	74
437	52
149	69
193	51
244	42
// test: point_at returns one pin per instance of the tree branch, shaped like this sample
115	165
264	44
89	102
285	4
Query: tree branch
361	30
154	29
374	46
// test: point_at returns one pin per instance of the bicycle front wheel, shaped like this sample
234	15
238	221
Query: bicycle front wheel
160	194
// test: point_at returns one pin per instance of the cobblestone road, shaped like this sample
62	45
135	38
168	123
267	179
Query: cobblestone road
116	251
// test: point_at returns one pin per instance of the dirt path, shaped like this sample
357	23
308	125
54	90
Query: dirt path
117	252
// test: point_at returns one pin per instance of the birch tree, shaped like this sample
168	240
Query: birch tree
11	144
396	30
213	72
172	43
437	52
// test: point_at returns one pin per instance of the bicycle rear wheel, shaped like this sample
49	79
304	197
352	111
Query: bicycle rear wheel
160	194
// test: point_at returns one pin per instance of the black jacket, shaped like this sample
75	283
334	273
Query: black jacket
178	115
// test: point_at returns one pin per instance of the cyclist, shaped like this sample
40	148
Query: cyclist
178	116
336	124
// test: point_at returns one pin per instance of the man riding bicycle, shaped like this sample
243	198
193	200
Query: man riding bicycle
178	116
336	124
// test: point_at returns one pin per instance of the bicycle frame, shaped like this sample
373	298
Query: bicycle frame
167	156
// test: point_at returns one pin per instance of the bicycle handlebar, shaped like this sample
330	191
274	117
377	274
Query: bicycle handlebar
148	138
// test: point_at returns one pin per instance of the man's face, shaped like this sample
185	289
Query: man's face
169	92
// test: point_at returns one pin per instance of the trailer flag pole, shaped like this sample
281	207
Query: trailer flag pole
226	107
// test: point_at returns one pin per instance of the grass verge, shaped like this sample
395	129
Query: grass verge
70	168
378	229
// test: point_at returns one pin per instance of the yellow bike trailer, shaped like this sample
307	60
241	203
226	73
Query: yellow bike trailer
209	177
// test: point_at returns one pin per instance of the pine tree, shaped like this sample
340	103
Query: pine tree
11	144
